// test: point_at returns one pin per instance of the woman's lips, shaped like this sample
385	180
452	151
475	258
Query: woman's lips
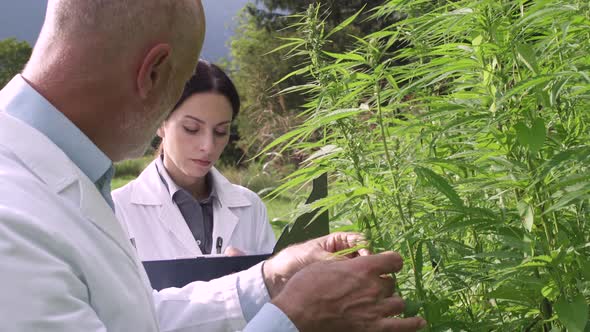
200	162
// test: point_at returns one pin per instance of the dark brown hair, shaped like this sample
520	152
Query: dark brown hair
208	77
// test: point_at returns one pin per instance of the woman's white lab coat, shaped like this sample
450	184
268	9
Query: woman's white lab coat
159	230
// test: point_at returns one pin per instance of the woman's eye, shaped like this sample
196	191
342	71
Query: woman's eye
221	132
191	130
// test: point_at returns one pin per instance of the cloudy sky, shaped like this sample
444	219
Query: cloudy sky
22	19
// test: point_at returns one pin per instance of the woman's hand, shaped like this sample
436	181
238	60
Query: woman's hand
231	251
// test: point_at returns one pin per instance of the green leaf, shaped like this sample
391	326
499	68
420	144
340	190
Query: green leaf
477	40
523	86
526	214
325	151
527	56
411	308
345	56
292	45
585	267
294	73
532	138
539	132
440	183
419	259
575	193
344	24
550	291
573	315
434	254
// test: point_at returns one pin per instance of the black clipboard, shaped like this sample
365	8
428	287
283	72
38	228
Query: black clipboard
180	272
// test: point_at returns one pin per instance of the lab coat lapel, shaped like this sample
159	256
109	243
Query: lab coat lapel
151	191
95	208
59	173
173	220
224	219
224	223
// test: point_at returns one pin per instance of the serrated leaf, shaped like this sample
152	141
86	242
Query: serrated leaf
345	56
440	183
297	72
345	23
532	138
527	56
539	132
573	315
550	291
477	40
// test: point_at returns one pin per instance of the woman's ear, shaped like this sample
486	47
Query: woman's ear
161	132
154	70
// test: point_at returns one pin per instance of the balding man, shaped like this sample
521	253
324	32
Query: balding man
102	77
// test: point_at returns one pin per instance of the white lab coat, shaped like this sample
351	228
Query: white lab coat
67	265
159	230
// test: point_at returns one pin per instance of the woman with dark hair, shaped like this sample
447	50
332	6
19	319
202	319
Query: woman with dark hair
181	206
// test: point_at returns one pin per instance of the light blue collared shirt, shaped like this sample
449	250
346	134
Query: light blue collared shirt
32	108
36	111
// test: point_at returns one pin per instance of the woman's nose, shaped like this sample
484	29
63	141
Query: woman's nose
206	142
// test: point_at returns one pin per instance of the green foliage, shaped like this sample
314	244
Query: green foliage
264	115
254	177
13	57
274	14
574	315
132	167
466	150
120	181
261	57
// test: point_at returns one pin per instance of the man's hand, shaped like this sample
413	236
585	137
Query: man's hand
280	268
347	295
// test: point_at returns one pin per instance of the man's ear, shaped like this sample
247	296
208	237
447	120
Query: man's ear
154	68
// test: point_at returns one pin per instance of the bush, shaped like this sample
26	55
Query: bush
253	177
132	167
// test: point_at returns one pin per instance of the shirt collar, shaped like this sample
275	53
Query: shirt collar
172	186
32	108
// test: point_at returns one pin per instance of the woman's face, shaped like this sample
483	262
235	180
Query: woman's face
195	135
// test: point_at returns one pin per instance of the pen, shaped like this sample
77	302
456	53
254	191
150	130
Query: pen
219	244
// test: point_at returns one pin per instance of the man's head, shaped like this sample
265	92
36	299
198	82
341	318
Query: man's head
116	67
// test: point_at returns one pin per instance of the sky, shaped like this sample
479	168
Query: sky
22	19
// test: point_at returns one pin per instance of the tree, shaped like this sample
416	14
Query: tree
265	115
14	55
275	12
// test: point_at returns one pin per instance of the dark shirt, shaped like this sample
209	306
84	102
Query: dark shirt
198	215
